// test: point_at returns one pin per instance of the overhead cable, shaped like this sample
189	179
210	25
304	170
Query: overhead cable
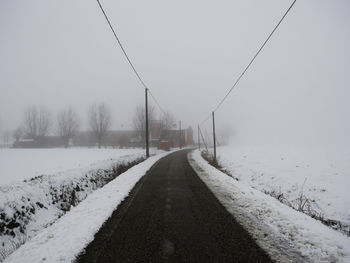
252	60
127	57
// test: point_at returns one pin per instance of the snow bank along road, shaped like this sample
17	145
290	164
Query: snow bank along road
167	214
63	240
317	176
287	235
171	216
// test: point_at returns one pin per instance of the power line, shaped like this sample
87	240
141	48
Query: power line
121	46
127	57
156	101
251	62
205	120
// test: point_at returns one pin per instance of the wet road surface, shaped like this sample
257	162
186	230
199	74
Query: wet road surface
171	216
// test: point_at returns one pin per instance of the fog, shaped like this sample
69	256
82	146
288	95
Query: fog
62	53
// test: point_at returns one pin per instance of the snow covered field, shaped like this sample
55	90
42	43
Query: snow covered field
320	176
64	240
20	164
286	234
55	181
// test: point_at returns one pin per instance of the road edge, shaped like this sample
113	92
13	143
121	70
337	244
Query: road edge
278	249
76	229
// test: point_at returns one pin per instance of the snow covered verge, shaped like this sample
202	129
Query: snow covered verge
314	181
28	207
18	164
287	235
66	238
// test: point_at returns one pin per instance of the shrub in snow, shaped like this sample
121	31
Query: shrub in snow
285	234
309	207
301	202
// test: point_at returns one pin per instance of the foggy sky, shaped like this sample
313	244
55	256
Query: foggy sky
62	53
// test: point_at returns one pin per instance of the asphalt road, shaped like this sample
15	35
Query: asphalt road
171	216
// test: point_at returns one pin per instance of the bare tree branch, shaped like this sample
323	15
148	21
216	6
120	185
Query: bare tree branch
168	122
67	124
139	121
99	121
17	133
37	122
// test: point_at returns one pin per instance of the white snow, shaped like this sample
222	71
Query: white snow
287	235
20	164
321	174
64	240
27	207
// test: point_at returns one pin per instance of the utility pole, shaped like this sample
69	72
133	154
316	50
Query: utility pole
199	142
147	132
214	139
180	135
205	145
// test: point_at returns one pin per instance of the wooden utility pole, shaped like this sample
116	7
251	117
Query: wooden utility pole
214	137
180	144
147	132
199	141
201	134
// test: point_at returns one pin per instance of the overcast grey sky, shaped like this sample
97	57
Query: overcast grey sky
59	53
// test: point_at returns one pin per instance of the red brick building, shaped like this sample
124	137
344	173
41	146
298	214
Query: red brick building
165	139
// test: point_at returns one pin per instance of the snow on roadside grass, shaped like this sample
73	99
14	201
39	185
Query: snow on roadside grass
28	207
316	178
283	232
64	240
20	164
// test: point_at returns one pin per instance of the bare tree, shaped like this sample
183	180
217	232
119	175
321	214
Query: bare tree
44	122
139	121
6	138
168	122
30	122
37	122
67	124
17	133
99	121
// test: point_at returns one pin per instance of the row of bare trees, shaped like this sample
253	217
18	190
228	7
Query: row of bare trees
38	122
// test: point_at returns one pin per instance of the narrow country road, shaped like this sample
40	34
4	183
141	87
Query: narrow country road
171	216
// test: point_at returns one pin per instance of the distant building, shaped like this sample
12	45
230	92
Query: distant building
165	139
123	139
155	132
159	137
116	139
40	142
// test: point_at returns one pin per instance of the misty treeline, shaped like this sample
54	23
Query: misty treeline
39	123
